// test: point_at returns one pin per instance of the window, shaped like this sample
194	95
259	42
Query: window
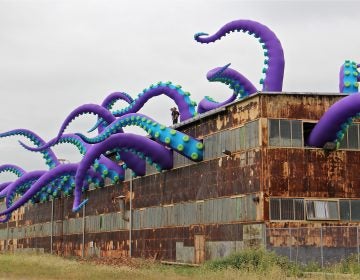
285	133
286	209
252	134
322	210
344	210
349	209
351	138
355	210
241	138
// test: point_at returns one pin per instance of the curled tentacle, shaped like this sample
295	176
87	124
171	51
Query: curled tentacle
147	147
84	109
274	55
48	154
185	104
19	186
108	103
18	171
335	121
349	77
179	141
112	98
42	179
74	140
236	81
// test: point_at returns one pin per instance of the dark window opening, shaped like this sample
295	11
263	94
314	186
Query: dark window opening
307	128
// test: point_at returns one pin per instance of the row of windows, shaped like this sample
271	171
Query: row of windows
241	138
302	209
291	133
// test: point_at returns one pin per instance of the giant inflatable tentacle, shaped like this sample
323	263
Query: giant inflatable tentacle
19	186
112	98
109	102
18	171
236	81
48	154
74	140
349	77
109	169
335	121
185	105
149	148
84	109
134	162
274	55
4	186
42	180
179	141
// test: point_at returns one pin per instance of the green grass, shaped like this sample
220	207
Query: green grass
250	264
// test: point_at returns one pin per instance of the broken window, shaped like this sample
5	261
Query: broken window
322	210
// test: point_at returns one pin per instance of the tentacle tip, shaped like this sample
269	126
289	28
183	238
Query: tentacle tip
78	208
197	35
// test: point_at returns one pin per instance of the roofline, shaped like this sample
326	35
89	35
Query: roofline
258	93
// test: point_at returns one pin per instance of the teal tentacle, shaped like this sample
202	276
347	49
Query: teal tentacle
168	88
48	155
179	141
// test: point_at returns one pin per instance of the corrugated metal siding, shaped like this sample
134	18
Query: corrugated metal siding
220	210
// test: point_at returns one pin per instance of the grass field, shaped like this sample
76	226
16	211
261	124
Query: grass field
29	266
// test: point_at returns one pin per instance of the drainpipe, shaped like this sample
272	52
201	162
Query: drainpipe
52	226
83	232
130	217
7	237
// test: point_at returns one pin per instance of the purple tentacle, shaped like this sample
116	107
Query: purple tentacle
236	81
3	186
111	164
44	178
274	54
149	148
84	109
49	156
18	171
331	122
185	104
110	100
108	103
11	190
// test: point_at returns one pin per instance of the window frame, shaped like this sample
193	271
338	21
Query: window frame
294	199
320	218
281	139
344	144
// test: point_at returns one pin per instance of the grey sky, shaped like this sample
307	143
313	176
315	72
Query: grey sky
57	55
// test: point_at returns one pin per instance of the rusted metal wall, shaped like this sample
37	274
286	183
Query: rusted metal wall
199	190
302	106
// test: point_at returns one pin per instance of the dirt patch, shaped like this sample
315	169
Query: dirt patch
118	261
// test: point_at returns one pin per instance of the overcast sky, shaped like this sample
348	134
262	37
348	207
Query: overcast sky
57	55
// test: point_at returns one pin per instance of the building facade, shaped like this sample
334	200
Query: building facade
258	185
